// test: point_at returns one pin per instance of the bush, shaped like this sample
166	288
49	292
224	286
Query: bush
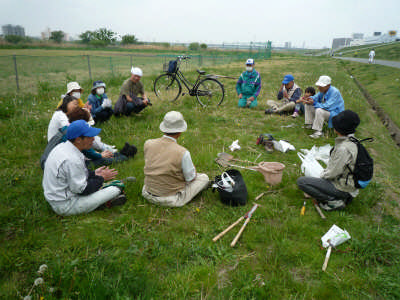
194	46
203	46
15	39
129	39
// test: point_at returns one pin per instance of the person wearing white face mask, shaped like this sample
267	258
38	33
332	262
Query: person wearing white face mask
101	106
248	86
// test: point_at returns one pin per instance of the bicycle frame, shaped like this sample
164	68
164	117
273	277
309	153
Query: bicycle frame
178	74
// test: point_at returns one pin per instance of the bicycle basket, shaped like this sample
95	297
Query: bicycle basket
172	66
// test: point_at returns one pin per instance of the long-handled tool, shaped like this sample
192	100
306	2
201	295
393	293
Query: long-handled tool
317	208
247	216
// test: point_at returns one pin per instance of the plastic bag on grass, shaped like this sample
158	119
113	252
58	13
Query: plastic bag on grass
336	236
310	166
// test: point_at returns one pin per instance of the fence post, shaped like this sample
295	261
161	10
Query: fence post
16	71
131	61
111	66
90	70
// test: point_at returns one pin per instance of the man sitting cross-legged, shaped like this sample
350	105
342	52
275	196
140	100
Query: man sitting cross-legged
170	176
69	187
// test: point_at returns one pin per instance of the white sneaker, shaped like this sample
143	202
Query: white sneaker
110	148
316	135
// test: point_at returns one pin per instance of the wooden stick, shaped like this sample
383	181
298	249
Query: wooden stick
240	232
318	209
227	229
259	196
328	254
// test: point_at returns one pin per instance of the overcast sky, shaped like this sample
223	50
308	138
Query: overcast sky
313	22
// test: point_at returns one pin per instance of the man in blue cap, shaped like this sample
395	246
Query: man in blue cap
288	94
69	187
248	86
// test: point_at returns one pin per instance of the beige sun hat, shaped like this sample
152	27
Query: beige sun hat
173	122
73	86
323	80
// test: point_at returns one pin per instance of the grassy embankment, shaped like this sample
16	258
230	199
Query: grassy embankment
143	251
384	52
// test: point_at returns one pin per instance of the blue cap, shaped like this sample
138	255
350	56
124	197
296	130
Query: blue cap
288	78
81	128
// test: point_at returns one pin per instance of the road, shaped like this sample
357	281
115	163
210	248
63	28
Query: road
389	63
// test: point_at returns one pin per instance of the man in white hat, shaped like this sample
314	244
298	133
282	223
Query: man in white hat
129	100
170	176
248	86
325	105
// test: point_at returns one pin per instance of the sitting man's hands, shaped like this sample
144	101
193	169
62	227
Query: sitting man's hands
106	173
240	96
107	154
250	99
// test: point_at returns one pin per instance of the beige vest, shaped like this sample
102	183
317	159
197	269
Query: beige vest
291	91
163	167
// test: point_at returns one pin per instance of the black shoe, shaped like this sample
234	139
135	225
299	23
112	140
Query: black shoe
117	201
269	111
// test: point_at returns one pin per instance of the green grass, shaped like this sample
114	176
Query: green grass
384	52
382	83
141	251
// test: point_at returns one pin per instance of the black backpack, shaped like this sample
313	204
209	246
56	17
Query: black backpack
364	166
172	66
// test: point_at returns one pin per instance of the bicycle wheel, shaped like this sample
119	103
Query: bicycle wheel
210	92
167	87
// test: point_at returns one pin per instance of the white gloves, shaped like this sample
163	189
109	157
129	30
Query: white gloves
235	146
106	103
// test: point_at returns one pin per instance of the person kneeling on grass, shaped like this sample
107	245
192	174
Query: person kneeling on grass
129	100
288	94
101	106
336	189
248	86
69	187
170	176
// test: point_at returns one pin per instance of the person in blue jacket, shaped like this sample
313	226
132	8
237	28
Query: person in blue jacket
248	86
101	106
325	105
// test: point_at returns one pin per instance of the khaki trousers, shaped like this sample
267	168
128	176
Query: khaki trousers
315	117
281	106
182	197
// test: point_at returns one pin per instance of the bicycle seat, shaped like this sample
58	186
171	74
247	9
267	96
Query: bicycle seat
201	72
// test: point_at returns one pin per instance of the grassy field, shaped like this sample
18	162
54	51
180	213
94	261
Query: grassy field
382	83
38	67
384	52
141	251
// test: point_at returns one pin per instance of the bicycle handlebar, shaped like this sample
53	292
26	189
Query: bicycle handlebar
182	57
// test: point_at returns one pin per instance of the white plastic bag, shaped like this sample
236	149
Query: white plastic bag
226	183
235	146
283	146
336	236
310	166
319	153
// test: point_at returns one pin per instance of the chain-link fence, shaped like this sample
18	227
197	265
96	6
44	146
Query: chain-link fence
26	72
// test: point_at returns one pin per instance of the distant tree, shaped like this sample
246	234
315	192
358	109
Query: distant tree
98	43
57	36
105	35
194	46
86	36
203	46
14	39
129	39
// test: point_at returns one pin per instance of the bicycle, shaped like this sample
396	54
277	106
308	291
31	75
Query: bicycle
168	86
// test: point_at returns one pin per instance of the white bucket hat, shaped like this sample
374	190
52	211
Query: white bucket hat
323	80
173	123
137	71
73	86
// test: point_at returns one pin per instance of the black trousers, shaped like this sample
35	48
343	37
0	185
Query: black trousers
322	190
103	115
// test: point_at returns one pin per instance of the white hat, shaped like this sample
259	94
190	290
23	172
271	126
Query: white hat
137	71
73	86
173	123
250	61
323	81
